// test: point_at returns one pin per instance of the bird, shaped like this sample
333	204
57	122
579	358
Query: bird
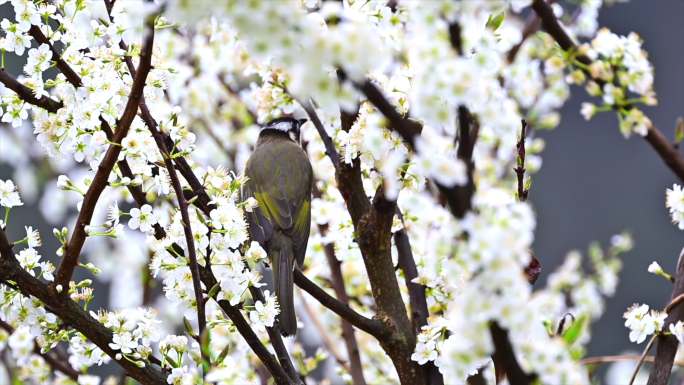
279	176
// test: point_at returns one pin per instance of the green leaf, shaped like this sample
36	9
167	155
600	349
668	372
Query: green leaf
188	327
528	184
214	290
575	330
205	339
495	21
91	268
679	130
223	354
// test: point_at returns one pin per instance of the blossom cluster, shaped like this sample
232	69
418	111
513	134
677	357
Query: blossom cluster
621	75
642	322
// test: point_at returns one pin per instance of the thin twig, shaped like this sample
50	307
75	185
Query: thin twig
369	325
327	141
243	327
26	94
325	336
277	341
520	167
187	229
599	360
667	343
348	335
642	358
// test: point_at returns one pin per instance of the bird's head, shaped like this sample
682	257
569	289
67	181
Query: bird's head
288	125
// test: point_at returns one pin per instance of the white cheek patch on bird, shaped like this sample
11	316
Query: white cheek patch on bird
281	126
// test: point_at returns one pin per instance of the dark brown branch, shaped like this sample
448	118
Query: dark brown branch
201	198
417	300
667	343
667	152
26	94
552	26
532	25
164	141
70	312
51	105
405	127
348	335
373	224
368	325
458	197
277	341
55	363
504	354
187	229
374	240
406	262
520	167
408	129
63	67
477	379
73	248
327	141
243	327
233	312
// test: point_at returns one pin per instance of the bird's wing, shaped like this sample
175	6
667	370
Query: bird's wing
260	228
280	179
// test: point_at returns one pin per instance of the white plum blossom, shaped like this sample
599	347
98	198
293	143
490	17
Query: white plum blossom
264	313
641	322
142	218
677	330
123	342
675	203
9	197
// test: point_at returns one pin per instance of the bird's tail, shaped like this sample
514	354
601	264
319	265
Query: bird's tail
282	279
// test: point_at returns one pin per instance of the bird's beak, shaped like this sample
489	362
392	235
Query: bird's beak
299	131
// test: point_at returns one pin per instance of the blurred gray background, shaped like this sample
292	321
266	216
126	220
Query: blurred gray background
593	183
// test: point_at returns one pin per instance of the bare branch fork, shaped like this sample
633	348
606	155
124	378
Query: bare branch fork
458	197
372	220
